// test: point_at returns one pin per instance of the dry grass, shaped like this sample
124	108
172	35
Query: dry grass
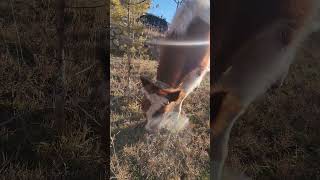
138	155
30	146
278	137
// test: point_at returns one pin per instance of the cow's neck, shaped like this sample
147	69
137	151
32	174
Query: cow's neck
177	62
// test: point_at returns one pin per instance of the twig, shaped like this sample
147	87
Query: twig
8	121
114	150
84	70
90	116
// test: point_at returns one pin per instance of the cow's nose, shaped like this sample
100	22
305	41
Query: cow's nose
151	129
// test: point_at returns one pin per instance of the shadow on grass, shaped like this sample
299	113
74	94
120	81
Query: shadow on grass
127	129
129	136
20	130
28	139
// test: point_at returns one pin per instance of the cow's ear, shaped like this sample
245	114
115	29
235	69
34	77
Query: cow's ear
148	85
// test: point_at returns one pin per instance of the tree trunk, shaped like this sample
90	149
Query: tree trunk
129	51
60	83
103	89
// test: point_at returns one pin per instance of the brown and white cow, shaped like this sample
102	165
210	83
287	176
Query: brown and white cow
254	44
182	65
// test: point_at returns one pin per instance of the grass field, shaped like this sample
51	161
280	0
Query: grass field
277	138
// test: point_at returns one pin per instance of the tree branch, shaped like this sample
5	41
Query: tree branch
86	7
130	4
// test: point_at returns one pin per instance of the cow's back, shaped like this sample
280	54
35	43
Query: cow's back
237	22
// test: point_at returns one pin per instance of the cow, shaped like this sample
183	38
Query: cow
182	64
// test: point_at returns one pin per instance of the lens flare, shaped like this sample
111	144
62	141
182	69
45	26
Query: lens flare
179	43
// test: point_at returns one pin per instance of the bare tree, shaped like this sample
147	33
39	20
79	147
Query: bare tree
102	91
129	4
129	53
60	83
178	2
131	7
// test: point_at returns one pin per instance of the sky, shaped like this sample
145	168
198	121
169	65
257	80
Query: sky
166	9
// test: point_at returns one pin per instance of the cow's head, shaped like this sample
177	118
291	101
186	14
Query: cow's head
159	104
181	58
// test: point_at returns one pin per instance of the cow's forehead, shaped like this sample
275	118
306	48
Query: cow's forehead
155	98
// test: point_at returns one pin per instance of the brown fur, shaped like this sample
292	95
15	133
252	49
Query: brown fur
236	22
177	61
177	65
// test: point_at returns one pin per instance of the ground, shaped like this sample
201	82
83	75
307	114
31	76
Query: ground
135	154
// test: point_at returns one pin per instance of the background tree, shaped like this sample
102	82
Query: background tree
127	34
178	2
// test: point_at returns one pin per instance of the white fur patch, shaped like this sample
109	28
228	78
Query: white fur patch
187	12
172	121
156	102
194	79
